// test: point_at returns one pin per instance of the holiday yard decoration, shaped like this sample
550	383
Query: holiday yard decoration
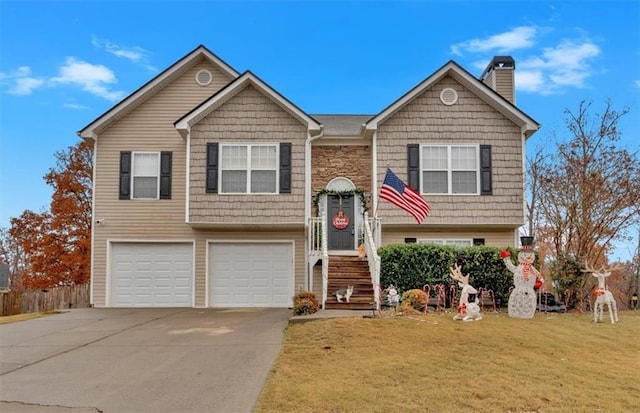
603	295
466	311
522	300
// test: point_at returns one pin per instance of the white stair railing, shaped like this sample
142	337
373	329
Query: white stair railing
372	255
325	259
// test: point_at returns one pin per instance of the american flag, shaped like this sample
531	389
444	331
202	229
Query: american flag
403	196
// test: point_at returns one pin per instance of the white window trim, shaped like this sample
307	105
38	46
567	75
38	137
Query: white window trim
443	241
249	146
133	176
449	170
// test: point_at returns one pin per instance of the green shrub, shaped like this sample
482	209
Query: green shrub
415	299
305	302
411	266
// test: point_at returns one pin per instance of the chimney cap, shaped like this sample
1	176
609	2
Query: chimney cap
499	61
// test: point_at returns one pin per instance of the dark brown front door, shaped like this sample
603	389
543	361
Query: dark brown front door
340	222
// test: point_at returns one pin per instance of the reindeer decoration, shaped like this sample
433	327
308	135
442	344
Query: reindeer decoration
466	311
602	293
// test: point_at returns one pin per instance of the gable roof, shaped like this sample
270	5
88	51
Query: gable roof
184	124
484	92
150	88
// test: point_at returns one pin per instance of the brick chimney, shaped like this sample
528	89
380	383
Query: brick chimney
499	76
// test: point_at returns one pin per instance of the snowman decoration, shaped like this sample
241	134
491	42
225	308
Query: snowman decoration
522	300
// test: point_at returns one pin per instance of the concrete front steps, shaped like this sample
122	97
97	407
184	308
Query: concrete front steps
349	270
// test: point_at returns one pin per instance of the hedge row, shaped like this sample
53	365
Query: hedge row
409	266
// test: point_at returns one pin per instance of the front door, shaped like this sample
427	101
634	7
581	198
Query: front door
340	222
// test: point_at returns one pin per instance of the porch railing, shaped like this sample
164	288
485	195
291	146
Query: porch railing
371	241
325	258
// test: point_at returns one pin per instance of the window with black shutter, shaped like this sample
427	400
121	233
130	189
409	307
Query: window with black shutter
165	175
413	166
212	168
285	168
125	175
486	184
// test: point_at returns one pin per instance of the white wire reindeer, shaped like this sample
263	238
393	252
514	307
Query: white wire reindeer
466	311
603	295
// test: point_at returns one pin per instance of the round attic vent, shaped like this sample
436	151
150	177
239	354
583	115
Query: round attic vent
448	96
204	77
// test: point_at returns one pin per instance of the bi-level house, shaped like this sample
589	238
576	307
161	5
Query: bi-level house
212	189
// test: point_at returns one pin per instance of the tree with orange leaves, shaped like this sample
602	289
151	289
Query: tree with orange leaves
57	244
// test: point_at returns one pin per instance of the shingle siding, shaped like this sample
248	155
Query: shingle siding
248	117
426	120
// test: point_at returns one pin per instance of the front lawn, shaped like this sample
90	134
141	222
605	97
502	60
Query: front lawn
552	363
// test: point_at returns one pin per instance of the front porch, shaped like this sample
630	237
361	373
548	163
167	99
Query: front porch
339	268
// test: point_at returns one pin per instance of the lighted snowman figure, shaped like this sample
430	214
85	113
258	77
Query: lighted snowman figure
522	300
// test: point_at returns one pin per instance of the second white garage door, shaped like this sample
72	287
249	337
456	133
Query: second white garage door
250	274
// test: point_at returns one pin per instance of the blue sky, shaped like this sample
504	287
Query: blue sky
64	63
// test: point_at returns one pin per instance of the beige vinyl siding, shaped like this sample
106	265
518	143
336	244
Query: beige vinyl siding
503	79
149	127
492	238
249	117
471	121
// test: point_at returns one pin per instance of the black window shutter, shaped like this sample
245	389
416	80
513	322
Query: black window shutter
125	175
413	166
165	175
486	186
478	241
212	168
285	168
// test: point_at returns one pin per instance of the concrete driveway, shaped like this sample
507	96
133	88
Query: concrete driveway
139	360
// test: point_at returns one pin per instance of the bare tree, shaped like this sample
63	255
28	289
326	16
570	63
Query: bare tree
533	188
589	190
586	189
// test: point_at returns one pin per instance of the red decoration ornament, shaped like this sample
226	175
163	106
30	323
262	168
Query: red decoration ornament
340	220
505	254
538	284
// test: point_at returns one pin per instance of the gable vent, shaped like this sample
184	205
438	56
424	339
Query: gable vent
448	96
204	77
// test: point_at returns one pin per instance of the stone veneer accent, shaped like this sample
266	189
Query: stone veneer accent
348	161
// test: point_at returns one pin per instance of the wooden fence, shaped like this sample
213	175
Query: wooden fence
33	301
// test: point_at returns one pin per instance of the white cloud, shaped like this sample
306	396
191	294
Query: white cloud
74	106
20	82
94	79
135	54
529	81
521	37
566	65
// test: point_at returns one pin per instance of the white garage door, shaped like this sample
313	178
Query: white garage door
151	275
250	274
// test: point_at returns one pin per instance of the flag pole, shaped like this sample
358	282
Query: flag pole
375	211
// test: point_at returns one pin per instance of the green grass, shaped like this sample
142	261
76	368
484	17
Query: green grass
22	317
430	363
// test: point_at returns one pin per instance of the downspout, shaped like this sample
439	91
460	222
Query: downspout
93	221
188	163
523	131
374	173
307	171
307	198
